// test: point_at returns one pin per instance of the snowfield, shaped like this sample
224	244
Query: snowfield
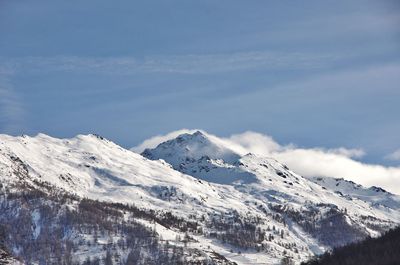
196	178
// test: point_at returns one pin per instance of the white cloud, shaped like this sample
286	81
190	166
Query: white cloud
255	142
394	156
354	153
338	162
316	162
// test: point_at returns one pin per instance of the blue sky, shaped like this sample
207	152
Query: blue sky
313	73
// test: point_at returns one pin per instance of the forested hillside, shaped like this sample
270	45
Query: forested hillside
384	250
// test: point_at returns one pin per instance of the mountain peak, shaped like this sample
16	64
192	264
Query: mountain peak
202	155
196	136
192	146
199	134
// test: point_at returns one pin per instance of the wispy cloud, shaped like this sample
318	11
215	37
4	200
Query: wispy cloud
338	162
395	156
185	64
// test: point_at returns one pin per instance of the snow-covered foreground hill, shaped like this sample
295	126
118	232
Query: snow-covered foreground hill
193	192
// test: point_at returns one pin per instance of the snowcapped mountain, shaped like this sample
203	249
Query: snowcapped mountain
269	181
205	157
201	156
194	193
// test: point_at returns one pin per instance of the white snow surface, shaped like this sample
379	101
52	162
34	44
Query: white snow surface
216	180
374	195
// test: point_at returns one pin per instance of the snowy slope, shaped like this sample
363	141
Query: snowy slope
374	195
202	181
89	165
201	156
259	173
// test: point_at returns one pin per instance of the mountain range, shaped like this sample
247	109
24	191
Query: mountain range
190	200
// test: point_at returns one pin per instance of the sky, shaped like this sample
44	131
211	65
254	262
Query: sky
314	74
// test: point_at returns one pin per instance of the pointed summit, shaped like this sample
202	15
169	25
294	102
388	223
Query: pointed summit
197	136
193	146
204	156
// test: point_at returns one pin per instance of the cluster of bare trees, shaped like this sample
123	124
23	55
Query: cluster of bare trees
58	228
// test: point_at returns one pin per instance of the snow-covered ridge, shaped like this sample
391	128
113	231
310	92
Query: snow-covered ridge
197	177
89	165
373	195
